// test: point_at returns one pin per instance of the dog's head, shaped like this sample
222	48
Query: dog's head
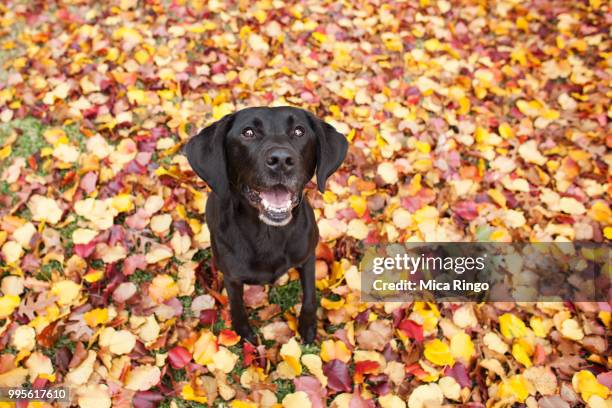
267	155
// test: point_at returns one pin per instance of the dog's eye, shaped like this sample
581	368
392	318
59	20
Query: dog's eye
248	133
298	131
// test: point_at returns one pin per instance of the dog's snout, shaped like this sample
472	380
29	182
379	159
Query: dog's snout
280	158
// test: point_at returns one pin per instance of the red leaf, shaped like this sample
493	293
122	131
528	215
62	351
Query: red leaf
249	354
460	374
85	250
208	317
411	329
147	399
366	367
179	357
133	262
338	376
324	252
416	370
466	210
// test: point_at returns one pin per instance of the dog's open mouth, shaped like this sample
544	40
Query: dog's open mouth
274	203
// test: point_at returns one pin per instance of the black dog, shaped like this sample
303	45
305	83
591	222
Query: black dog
257	162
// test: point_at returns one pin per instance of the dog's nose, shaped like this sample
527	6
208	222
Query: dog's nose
280	159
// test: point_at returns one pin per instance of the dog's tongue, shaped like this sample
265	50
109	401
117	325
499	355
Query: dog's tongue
277	196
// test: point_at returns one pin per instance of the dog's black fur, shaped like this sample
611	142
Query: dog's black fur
250	159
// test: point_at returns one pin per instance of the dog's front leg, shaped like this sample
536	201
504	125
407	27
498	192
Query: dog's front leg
240	320
308	315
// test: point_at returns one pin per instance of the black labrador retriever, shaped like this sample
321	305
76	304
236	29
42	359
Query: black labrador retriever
257	162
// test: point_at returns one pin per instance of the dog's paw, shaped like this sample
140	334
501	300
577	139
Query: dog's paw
308	330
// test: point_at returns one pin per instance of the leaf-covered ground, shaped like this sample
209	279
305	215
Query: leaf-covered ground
468	121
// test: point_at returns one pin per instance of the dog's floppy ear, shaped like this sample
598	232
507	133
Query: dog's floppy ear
206	154
331	150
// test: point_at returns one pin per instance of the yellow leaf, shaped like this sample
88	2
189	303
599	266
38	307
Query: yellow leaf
166	94
8	304
335	350
320	37
329	197
601	212
141	56
189	394
498	197
462	347
359	204
438	353
505	131
464	106
608	232
5	152
222	109
519	55
392	41
520	354
242	404
122	203
261	16
172	172
481	135
314	364
67	291
93	276
162	288
423	147
55	136
433	44
500	235
551	114
136	96
585	383
428	314
538	327
96	316
605	317
516	387
532	108
205	348
332	305
127	33
511	326
291	353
